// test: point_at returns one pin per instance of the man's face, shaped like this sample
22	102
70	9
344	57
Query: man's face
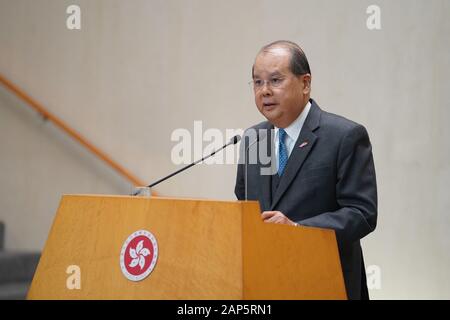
279	94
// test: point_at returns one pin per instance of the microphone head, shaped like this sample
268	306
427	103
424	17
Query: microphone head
235	139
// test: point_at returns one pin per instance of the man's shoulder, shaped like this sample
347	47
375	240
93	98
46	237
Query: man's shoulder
336	124
329	122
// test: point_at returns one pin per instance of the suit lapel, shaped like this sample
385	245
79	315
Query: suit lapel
302	148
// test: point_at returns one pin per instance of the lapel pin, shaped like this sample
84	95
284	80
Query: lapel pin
304	144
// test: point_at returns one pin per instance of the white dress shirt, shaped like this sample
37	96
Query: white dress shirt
292	132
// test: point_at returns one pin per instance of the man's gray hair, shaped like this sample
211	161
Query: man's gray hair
299	63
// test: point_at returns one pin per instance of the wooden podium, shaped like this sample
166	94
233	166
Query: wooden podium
206	250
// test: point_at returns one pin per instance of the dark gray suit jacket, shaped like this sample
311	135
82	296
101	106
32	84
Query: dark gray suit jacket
329	183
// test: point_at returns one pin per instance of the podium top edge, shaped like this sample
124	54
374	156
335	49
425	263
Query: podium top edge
155	198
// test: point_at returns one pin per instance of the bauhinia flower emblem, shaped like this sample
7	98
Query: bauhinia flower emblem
138	255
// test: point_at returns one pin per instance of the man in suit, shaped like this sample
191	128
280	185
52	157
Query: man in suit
324	171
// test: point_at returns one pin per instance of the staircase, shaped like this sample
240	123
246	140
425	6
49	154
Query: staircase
16	270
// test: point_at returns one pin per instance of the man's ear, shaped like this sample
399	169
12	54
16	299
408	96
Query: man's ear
306	83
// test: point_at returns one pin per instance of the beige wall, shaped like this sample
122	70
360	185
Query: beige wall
137	70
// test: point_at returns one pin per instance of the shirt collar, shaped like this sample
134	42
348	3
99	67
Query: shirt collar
293	130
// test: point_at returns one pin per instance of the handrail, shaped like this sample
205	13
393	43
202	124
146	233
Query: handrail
71	132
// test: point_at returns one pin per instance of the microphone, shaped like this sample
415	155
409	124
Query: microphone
233	140
258	138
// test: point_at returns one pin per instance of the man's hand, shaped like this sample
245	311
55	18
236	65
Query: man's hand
276	217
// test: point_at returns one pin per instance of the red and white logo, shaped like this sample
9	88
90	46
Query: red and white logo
139	255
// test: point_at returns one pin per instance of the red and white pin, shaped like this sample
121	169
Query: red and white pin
303	144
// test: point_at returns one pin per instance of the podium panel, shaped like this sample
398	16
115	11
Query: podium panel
204	250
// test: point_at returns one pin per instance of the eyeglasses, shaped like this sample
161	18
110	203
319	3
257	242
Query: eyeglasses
275	82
